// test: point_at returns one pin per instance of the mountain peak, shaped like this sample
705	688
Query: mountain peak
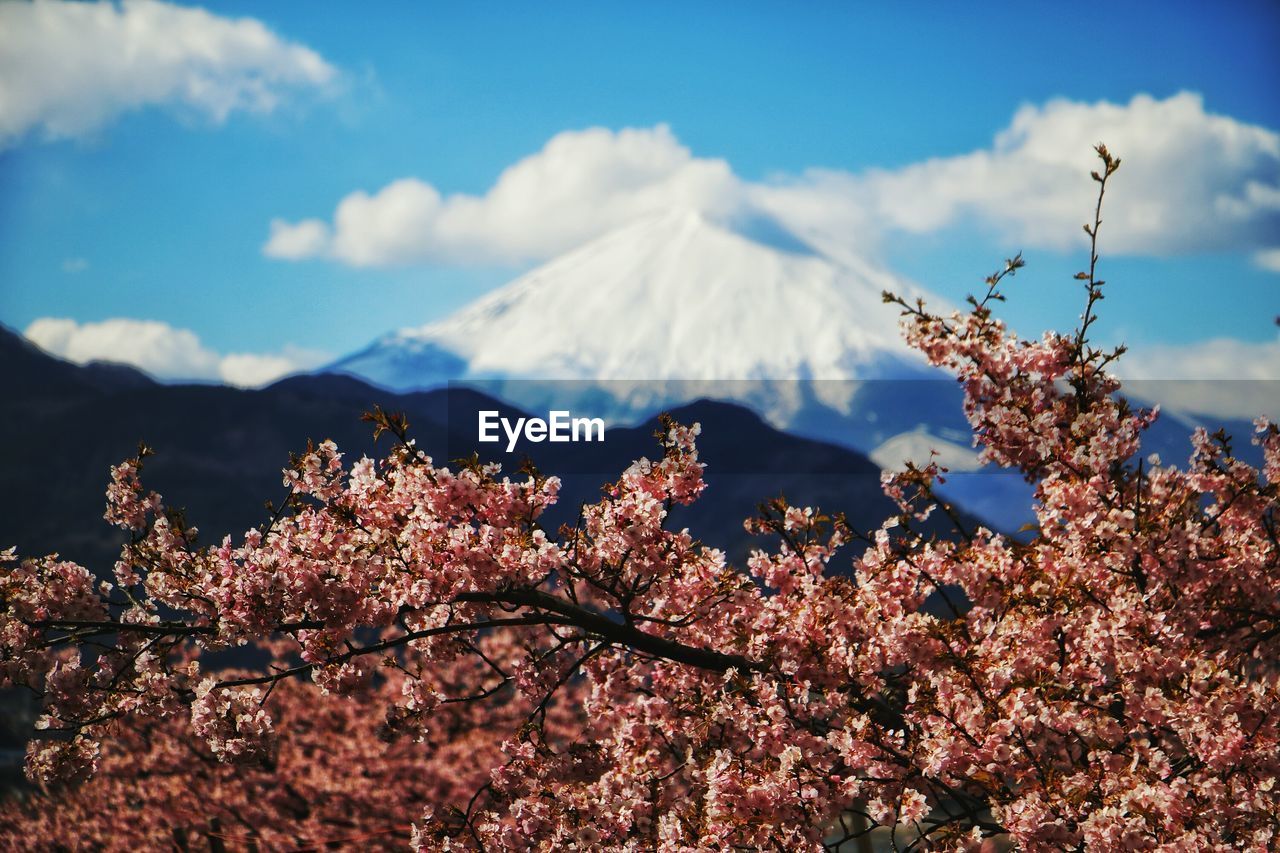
675	295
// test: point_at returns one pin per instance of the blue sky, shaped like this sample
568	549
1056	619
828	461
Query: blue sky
160	209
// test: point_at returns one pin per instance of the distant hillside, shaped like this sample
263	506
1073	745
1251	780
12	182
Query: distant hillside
220	450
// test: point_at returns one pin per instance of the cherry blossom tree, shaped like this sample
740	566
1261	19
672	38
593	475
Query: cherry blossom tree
1107	682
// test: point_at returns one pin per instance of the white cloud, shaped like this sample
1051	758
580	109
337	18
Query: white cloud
581	184
1224	376
1192	181
67	68
1216	358
1268	259
296	241
72	266
252	370
164	351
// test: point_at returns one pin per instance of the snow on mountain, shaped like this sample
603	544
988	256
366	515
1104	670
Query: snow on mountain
673	296
921	446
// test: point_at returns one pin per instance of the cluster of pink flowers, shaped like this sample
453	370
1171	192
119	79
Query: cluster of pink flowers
334	777
1110	683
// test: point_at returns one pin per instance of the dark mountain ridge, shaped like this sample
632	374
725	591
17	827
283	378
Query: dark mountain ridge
220	451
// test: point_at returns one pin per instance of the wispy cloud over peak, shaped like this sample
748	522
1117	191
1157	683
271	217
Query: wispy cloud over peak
580	185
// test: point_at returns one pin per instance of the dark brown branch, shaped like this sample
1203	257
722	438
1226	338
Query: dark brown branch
615	632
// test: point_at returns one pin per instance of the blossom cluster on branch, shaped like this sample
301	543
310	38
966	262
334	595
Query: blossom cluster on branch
335	776
1106	683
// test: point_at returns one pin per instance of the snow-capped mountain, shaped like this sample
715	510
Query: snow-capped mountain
676	307
672	296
